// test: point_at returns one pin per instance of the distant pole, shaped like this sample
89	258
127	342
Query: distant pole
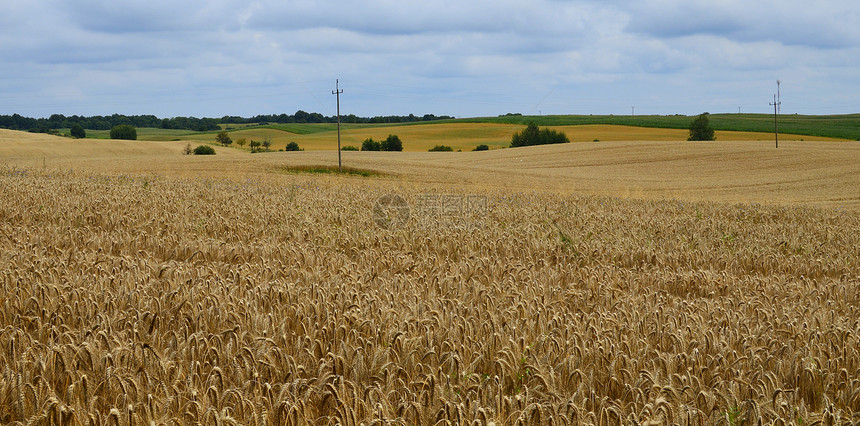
632	111
775	125
337	92
778	99
739	109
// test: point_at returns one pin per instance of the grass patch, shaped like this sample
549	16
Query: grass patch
148	134
320	169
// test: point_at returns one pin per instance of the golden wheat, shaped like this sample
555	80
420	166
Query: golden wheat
139	300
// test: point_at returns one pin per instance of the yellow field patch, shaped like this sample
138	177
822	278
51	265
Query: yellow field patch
466	136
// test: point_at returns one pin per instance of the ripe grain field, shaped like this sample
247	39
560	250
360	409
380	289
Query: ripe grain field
215	293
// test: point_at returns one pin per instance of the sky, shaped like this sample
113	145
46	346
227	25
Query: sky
464	58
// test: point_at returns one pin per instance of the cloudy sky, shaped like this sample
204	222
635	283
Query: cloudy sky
454	57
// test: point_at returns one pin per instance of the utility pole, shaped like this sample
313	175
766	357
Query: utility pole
778	100
337	92
775	125
739	109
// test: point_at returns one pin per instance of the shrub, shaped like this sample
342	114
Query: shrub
187	150
533	135
292	146
123	131
349	148
204	150
392	143
255	145
78	132
482	147
701	130
441	148
371	145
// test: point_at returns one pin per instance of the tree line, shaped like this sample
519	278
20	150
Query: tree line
99	122
315	117
105	122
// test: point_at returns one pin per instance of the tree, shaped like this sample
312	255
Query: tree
392	143
123	131
371	145
204	150
533	135
292	146
267	143
482	147
223	138
241	142
78	132
441	148
701	130
254	145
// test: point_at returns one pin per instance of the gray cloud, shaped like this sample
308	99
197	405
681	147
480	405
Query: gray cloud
446	57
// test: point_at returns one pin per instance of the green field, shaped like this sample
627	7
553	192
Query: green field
146	133
831	126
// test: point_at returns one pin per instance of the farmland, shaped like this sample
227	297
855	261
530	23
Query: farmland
463	136
608	282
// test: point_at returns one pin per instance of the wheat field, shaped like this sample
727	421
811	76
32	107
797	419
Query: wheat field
224	290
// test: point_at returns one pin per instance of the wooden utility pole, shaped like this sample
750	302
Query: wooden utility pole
337	92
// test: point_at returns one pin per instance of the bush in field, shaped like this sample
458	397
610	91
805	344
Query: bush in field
371	145
533	135
391	143
441	148
292	146
204	150
349	148
78	132
482	147
701	130
123	131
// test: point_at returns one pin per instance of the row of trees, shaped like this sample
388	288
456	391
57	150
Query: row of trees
315	117
100	122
